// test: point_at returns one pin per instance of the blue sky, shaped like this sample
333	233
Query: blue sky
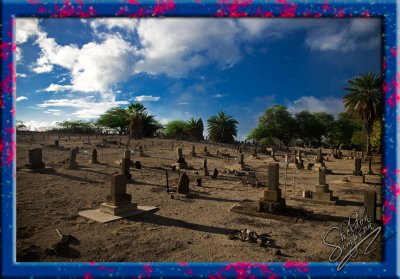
182	68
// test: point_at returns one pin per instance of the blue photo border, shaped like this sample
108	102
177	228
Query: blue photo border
386	10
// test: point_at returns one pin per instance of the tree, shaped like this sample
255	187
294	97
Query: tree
324	122
115	118
194	129
222	128
342	130
277	123
176	129
364	102
140	122
376	135
20	125
77	126
306	127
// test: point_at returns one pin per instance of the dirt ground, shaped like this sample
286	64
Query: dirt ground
194	229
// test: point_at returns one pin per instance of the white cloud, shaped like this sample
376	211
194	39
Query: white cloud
359	33
26	28
21	98
183	103
34	125
312	104
57	87
21	75
219	95
86	108
147	98
127	24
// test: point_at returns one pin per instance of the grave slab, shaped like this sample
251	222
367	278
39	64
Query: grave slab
357	179
98	216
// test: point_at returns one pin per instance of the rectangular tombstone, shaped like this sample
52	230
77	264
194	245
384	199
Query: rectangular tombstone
357	167
322	176
35	159
273	176
72	159
370	204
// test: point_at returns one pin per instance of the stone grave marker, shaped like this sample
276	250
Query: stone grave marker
370	204
357	176
119	201
183	184
272	202
71	163
35	159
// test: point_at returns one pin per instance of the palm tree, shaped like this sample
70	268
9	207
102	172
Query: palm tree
195	128
141	123
135	117
364	101
222	128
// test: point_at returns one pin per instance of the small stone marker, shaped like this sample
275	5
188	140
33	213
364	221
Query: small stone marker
35	159
127	154
370	204
94	157
241	158
71	164
205	168
56	143
215	174
138	165
141	152
183	184
193	153
181	163
319	158
118	201
205	151
198	180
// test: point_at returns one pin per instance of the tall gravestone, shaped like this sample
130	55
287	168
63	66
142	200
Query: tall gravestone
193	152
35	159
94	157
357	176
272	202
183	184
71	163
125	168
205	168
119	201
322	192
370	204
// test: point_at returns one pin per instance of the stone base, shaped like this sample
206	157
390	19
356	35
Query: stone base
271	206
180	166
357	179
322	196
310	200
316	166
322	188
35	166
102	217
42	170
117	209
271	195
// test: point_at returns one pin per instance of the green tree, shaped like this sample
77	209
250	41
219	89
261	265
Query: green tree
141	123
324	122
20	125
222	128
364	102
76	126
277	123
115	118
358	139
194	129
376	135
176	129
343	129
306	127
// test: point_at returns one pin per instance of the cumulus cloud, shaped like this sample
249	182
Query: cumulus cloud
312	104
360	33
21	75
147	98
21	98
86	108
127	24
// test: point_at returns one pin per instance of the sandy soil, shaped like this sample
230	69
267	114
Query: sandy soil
183	229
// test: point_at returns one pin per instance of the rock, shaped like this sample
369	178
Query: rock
277	252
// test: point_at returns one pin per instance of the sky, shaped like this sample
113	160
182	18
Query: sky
71	69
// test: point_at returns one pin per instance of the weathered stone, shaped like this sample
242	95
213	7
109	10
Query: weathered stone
125	168
71	164
94	157
141	152
56	143
273	176
272	195
357	167
193	153
241	158
205	168
320	158
215	174
35	159
127	154
322	176
370	204
357	179
183	184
